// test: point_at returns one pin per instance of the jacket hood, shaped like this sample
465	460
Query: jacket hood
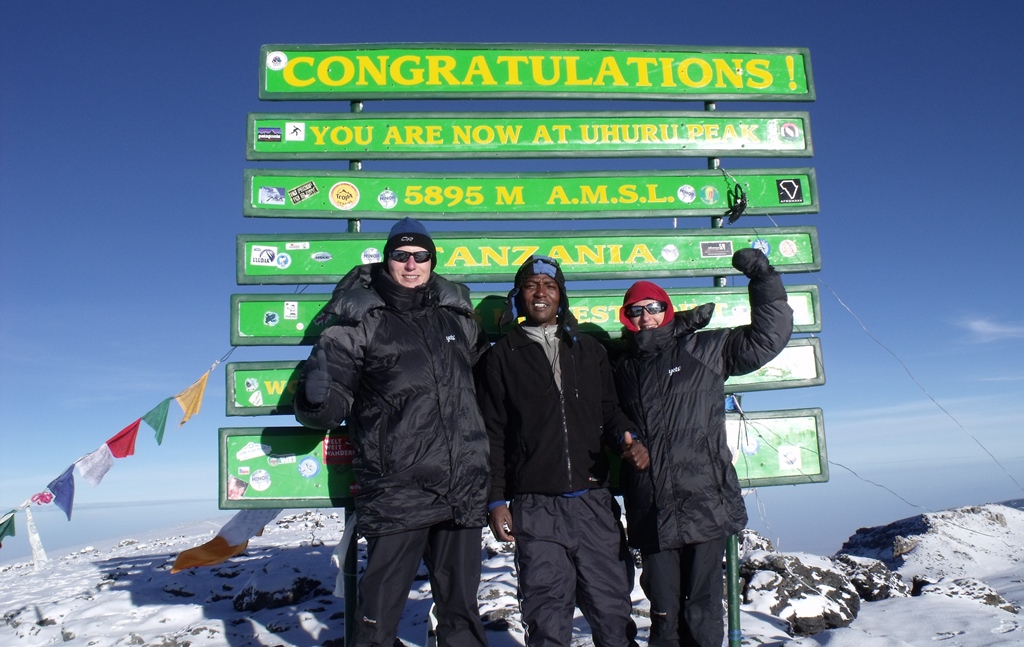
645	290
683	323
365	288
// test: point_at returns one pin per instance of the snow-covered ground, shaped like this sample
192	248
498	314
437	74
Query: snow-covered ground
280	591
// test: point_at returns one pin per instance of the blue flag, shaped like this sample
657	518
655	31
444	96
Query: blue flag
63	490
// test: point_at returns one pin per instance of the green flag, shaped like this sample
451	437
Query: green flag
157	419
7	526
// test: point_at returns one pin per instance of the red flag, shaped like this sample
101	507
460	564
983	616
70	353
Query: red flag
123	444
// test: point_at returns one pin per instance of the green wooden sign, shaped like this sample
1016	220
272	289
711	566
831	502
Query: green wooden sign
453	71
264	259
268	388
365	136
504	196
778	447
284	467
293	319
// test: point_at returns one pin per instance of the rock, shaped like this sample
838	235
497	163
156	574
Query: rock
277	586
968	588
808	592
872	579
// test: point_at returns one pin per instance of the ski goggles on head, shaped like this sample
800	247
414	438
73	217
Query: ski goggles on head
402	256
653	308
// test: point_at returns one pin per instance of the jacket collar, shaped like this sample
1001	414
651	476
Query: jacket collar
652	342
368	287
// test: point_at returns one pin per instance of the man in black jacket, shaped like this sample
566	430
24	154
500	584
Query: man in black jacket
680	511
549	404
398	370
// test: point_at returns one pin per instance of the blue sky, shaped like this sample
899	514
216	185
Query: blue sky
122	148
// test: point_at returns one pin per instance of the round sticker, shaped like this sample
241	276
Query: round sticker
251	384
270	319
277	60
309	467
789	130
670	253
371	255
387	199
708	195
344	195
787	248
283	260
687	193
260	480
762	245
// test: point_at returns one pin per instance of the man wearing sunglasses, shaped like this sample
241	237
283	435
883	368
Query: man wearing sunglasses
548	400
397	369
671	383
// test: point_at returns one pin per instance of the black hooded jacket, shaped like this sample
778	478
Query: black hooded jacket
672	384
401	362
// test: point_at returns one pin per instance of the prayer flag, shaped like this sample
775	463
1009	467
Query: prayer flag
94	465
231	540
191	399
6	526
63	489
157	419
122	445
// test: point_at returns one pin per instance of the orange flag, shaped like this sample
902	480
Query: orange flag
231	540
191	399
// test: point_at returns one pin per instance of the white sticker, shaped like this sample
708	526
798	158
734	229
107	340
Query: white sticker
294	131
291	309
687	194
371	255
256	399
291	247
262	255
787	248
251	384
260	480
281	459
670	253
283	260
789	457
387	199
252	450
277	60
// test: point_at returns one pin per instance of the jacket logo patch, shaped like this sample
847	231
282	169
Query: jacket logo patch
450	338
675	369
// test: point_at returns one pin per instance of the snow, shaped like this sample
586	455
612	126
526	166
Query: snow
121	592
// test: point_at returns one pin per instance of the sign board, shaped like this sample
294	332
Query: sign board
365	136
268	388
524	71
504	196
263	259
778	447
294	319
284	467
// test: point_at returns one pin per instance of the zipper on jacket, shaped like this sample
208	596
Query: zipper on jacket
565	436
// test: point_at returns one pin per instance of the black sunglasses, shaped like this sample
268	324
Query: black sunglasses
651	308
402	256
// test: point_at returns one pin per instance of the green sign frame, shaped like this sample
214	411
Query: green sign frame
284	467
783	447
269	259
533	71
268	388
435	135
296	319
274	193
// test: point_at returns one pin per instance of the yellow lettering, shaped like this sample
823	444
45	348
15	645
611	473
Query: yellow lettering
641	252
642	63
289	72
711	131
599	314
628	194
652	194
461	255
438	66
585	134
488	254
461	134
561	132
705	71
478	67
580	312
276	387
527	252
319	132
433	135
570	72
341	142
363	141
542	136
558	193
507	134
561	254
730	132
513	67
380	75
650	133
748	133
734	72
610	67
615	254
323	71
667	78
398	75
626	137
414	135
483	135
693	131
758	67
587	255
591	196
515	196
538	70
610	133
393	136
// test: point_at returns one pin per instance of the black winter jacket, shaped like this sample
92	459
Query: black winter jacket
542	442
672	385
401	362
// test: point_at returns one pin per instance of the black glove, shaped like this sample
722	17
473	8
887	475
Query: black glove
318	381
752	262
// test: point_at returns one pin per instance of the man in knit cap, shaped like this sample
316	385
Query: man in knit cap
672	384
397	369
549	404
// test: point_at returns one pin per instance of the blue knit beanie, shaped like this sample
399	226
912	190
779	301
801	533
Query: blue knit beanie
410	232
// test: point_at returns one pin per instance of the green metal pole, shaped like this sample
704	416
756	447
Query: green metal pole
732	559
